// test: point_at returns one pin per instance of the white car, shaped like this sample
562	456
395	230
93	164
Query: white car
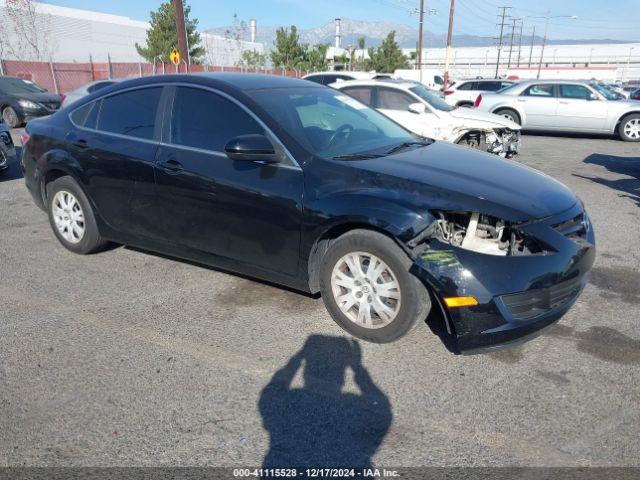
424	113
463	93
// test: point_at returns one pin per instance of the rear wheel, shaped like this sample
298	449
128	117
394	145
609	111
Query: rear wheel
629	128
72	218
509	114
10	117
367	288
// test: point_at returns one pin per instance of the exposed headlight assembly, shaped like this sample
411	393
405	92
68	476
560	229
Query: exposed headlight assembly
484	234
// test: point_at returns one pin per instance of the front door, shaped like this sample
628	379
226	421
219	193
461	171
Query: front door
241	210
578	111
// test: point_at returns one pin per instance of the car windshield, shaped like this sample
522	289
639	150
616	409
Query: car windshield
507	88
330	124
431	98
605	92
19	85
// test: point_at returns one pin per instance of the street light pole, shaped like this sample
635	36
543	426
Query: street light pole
448	52
419	56
544	39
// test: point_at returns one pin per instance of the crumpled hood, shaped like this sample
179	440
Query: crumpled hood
473	116
443	175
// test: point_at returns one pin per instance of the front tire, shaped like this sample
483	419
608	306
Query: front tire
509	114
629	128
71	217
10	117
367	288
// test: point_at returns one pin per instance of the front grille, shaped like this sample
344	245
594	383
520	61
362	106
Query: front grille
527	305
575	227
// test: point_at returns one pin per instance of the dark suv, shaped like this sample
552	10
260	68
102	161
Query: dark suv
302	185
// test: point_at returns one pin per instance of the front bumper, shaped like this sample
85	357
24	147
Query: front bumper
518	296
7	151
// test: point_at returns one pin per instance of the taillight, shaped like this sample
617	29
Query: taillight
62	97
478	101
24	137
448	92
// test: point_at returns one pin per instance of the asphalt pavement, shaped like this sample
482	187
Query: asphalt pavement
127	358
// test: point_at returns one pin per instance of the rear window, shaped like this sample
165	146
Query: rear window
86	115
360	93
131	113
466	86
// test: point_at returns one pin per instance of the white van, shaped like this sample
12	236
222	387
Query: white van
430	78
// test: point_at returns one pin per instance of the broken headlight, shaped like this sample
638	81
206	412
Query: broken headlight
484	234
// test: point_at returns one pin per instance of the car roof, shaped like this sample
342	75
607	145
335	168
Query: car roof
224	81
552	80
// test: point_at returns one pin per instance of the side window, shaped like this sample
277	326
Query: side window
86	115
394	99
131	113
490	86
544	90
316	79
438	80
360	93
466	86
203	119
574	91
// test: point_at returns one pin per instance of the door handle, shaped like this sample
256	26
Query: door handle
521	100
172	166
564	102
81	143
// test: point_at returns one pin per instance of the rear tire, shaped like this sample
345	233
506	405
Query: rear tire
465	105
10	117
629	128
509	114
71	217
381	287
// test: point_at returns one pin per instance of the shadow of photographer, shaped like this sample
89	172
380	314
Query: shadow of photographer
320	424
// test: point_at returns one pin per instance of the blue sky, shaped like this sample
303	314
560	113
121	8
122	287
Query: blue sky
596	18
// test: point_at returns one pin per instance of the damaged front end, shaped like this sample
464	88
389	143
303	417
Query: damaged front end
499	282
503	142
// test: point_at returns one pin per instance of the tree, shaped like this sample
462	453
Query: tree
361	46
26	32
387	57
288	52
252	59
314	59
162	36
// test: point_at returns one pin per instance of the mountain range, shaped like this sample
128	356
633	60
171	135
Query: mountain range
375	32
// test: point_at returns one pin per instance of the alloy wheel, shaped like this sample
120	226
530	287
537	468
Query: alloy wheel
10	117
632	129
366	290
68	216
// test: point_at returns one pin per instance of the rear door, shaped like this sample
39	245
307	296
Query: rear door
540	104
577	111
395	104
116	141
240	210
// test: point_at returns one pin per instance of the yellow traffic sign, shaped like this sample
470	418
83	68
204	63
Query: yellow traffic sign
174	56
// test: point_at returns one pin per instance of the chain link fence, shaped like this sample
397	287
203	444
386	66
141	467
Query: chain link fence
62	77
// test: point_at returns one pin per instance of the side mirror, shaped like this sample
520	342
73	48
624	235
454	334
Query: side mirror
593	96
417	108
251	148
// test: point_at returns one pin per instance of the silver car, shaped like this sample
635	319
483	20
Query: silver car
86	89
565	106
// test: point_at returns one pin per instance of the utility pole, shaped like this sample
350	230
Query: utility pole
513	31
420	22
533	39
182	31
544	42
502	24
520	40
448	54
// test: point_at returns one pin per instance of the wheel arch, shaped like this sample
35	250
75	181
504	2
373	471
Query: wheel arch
622	117
509	106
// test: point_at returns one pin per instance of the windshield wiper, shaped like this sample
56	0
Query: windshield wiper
357	156
404	145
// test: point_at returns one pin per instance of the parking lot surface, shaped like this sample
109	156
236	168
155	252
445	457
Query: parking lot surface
127	358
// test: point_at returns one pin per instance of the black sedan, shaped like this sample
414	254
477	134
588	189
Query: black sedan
301	185
22	100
